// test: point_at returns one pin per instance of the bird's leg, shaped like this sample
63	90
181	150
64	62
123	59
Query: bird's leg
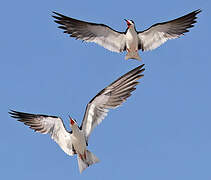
81	156
85	154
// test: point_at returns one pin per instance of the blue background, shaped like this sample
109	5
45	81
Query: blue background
161	132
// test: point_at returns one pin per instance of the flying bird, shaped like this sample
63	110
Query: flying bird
131	40
76	141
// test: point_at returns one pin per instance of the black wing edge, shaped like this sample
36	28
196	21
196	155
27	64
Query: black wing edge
133	72
191	15
26	116
62	19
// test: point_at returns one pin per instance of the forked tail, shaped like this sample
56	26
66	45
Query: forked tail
84	162
132	55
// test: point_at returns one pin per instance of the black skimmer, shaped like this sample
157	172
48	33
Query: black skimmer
76	141
130	40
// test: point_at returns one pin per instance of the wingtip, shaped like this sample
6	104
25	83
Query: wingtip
141	67
198	11
12	112
54	12
56	15
194	13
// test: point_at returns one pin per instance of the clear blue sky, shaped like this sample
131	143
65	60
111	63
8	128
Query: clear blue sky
161	132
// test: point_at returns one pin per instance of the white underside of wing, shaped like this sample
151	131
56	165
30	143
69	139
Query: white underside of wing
96	114
107	38
64	141
62	137
151	40
92	121
47	125
111	45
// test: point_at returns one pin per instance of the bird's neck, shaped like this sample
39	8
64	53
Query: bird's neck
132	29
131	33
75	129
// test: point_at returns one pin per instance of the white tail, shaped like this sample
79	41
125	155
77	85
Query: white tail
84	163
133	55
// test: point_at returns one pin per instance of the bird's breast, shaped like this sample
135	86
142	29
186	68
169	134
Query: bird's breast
79	142
132	40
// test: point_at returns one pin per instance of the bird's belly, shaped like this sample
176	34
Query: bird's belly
132	43
79	143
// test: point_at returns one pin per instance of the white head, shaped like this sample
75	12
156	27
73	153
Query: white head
130	23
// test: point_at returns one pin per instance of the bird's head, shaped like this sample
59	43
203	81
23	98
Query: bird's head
72	122
130	23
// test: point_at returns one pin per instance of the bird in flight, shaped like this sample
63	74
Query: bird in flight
131	40
76	141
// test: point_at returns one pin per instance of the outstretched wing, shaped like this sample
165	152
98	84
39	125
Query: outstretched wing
47	124
159	33
91	32
109	98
